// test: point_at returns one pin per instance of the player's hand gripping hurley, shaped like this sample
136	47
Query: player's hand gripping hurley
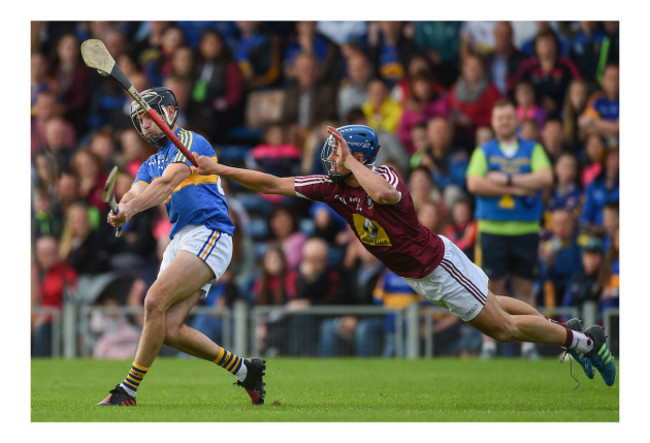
108	196
96	56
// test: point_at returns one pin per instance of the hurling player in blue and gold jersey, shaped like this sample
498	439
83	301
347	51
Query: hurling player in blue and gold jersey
199	252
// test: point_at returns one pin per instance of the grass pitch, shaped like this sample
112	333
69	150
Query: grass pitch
328	390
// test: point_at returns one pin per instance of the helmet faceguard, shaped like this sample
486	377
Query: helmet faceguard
159	99
359	138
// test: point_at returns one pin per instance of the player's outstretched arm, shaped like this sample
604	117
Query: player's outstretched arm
254	180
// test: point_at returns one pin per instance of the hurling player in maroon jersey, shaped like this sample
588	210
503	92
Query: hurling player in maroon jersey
377	205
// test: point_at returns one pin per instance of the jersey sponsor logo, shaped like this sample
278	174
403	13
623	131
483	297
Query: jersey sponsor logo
370	232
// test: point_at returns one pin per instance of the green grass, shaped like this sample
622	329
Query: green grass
328	390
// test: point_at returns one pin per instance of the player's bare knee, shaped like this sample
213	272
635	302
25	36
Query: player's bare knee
503	333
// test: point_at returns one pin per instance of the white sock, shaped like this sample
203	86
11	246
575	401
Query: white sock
242	372
581	342
128	390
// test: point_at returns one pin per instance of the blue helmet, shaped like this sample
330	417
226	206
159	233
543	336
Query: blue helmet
360	138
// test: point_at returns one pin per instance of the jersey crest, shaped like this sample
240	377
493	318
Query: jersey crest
370	232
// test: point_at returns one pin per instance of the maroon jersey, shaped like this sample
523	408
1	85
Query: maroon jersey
392	233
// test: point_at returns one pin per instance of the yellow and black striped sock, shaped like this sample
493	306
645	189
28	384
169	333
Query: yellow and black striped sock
133	378
231	363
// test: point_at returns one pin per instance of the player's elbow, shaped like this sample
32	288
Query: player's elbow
387	196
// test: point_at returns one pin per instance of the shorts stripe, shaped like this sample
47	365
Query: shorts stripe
463	281
213	246
207	244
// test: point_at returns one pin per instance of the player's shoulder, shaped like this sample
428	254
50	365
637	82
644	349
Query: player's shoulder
390	175
194	141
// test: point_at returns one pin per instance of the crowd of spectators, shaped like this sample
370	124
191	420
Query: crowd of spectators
261	93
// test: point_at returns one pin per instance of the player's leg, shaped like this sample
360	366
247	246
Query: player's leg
171	288
496	323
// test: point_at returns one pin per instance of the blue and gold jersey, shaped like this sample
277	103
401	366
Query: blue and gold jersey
199	199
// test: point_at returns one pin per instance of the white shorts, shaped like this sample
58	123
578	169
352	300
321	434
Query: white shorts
456	284
213	247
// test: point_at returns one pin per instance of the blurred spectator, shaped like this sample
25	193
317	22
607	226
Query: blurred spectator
328	225
306	39
391	51
529	130
274	286
610	222
182	89
108	103
422	187
243	263
550	72
353	91
609	276
56	138
559	257
72	77
67	191
585	48
472	98
382	112
447	163
585	284
575	104
527	107
602	112
45	110
46	168
283	231
134	151
40	80
423	104
309	102
148	41
603	189
593	159
258	55
81	247
483	135
103	145
440	41
462	228
553	138
46	221
430	216
217	99
158	64
117	337
275	155
183	63
51	277
477	37
90	172
419	65
566	192
507	176
528	46
502	63
317	284
361	335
